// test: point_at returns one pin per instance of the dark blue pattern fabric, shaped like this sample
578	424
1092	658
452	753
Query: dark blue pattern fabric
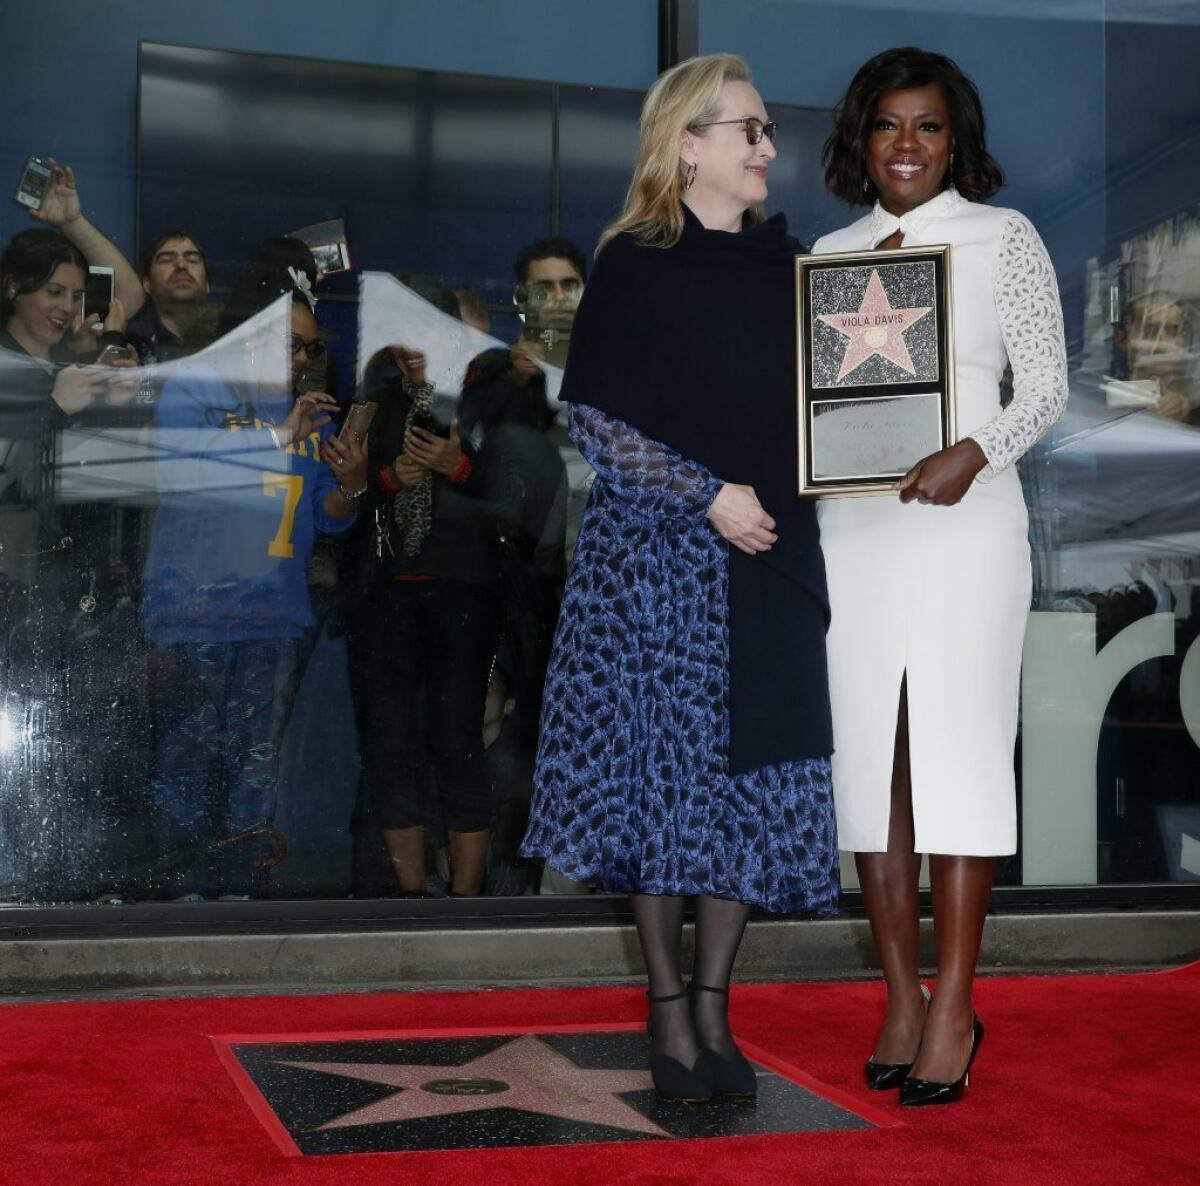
632	791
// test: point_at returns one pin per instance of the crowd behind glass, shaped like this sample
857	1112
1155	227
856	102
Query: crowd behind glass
192	498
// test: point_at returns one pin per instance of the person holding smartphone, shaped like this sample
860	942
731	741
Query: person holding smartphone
550	278
42	280
65	562
426	637
62	210
249	474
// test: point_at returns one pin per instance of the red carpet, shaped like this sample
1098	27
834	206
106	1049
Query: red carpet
1082	1079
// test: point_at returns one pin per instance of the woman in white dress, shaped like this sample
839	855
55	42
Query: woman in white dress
930	586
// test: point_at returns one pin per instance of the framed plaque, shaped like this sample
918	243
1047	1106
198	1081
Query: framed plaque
875	354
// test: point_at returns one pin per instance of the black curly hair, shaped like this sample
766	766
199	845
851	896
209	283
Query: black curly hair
974	172
266	279
556	247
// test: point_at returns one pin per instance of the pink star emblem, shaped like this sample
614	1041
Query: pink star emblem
533	1077
875	328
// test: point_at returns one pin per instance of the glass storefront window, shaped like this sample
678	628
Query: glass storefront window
241	661
1094	142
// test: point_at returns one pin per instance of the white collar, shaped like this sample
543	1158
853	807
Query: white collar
883	224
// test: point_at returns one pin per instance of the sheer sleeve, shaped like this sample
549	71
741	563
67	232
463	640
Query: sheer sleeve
1031	321
651	478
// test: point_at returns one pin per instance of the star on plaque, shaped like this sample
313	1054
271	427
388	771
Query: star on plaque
524	1074
392	1093
875	328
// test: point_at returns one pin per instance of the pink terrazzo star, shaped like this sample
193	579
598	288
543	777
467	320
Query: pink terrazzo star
876	328
539	1079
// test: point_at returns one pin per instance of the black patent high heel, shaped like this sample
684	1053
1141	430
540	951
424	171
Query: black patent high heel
733	1077
918	1093
672	1080
884	1075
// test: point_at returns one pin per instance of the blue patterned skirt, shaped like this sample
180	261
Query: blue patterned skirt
631	790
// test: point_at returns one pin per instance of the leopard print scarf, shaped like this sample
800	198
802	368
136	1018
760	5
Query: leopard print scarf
412	510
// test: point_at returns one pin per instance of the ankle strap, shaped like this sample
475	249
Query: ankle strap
694	987
675	996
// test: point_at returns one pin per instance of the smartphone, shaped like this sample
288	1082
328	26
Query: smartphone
117	356
554	343
426	421
98	292
358	421
34	184
557	343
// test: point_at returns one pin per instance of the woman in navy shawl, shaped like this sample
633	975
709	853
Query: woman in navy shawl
685	726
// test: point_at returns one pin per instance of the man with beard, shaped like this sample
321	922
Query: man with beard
550	275
176	319
550	278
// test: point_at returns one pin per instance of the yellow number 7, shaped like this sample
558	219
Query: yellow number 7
292	486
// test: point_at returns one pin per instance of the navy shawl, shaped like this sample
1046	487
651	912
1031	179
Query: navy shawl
695	347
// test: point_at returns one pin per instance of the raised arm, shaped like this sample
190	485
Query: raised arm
651	478
61	209
1031	320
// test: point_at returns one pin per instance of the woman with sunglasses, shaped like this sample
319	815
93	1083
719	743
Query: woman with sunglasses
248	474
931	587
671	765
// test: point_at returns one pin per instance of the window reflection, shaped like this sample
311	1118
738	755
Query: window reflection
1118	502
227	670
426	559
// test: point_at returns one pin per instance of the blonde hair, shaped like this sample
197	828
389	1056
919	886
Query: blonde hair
681	98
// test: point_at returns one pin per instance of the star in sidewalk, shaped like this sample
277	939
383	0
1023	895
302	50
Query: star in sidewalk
525	1074
876	328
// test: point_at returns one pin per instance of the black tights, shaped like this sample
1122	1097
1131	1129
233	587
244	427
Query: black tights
720	925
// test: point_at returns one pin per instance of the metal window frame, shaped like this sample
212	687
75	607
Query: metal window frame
678	32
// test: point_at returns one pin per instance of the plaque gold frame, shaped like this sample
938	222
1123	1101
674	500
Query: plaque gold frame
943	387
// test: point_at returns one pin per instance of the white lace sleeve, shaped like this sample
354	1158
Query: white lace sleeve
1031	321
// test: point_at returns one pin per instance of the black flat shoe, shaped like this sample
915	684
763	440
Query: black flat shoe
881	1076
732	1077
672	1080
920	1093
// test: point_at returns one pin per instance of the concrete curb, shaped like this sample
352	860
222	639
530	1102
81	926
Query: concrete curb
416	958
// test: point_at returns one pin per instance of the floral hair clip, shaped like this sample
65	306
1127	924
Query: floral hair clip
304	286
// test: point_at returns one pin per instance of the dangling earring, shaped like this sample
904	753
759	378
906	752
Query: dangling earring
866	185
950	172
689	175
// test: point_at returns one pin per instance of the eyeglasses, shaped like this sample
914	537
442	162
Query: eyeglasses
542	292
313	350
754	128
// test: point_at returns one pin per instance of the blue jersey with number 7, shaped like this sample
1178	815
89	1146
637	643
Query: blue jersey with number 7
237	516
